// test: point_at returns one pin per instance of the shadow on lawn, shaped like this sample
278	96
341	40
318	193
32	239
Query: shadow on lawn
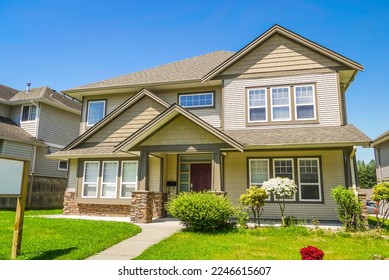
53	254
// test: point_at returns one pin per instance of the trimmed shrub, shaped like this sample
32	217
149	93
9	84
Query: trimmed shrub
255	199
311	253
201	211
349	208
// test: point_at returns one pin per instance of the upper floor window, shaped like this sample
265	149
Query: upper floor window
63	165
280	102
28	113
257	105
305	102
196	100
96	111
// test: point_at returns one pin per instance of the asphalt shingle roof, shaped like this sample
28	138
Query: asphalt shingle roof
191	69
11	131
6	92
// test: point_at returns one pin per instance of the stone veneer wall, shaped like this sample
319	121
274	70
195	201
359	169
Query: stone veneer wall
160	200
141	207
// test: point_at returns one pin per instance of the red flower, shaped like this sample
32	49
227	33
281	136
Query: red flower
311	253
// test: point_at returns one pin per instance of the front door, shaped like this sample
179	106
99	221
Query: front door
200	176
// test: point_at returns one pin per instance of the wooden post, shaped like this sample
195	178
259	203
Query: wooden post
19	217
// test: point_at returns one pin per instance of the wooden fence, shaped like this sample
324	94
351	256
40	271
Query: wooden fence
43	193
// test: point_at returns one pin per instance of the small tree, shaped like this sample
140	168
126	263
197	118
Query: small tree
349	208
281	188
366	174
255	199
381	196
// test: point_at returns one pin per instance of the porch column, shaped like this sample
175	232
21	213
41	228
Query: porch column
216	171
143	182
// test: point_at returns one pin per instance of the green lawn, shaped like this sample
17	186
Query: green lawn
268	243
61	239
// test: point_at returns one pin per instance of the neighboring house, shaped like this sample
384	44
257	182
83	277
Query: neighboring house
381	152
35	123
221	121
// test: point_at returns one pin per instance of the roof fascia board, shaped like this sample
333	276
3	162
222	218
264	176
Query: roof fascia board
289	34
307	146
165	117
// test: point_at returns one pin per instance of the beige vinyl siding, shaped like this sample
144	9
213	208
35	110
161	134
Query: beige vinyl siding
72	175
5	110
327	98
384	160
57	126
126	123
171	167
279	54
30	127
18	150
15	114
154	174
181	131
47	167
332	168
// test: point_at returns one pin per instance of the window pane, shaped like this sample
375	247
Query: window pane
90	190
196	100
283	168
127	190
91	172
259	171
280	113
309	172
110	172
32	113
305	112
280	96
96	111
257	114
310	192
129	179
304	95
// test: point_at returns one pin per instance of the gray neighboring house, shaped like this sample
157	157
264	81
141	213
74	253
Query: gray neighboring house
381	153
37	122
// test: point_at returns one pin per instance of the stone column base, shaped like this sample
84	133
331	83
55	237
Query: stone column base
142	206
160	200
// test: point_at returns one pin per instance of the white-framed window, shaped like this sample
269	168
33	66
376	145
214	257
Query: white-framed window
90	179
259	172
29	113
96	111
196	100
129	178
109	179
63	165
305	102
309	179
283	167
257	103
280	103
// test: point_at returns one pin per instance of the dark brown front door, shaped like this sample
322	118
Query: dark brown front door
200	176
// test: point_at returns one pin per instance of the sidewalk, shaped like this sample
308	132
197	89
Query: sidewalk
132	247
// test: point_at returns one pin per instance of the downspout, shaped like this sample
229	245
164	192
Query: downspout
352	169
378	151
33	159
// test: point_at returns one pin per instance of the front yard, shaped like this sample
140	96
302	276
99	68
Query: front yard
269	243
61	239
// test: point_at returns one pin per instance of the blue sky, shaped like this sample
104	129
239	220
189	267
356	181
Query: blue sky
63	44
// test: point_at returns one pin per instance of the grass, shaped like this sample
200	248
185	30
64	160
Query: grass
60	239
373	222
268	243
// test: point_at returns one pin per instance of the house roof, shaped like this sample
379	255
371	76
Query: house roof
190	69
12	132
49	96
164	118
90	152
124	106
320	136
289	34
382	138
6	93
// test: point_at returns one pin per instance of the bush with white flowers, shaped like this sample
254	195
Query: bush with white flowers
281	188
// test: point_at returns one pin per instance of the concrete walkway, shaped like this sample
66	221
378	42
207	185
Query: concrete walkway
132	247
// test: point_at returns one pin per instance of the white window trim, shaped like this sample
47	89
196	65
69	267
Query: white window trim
296	105
268	173
256	107
318	184
83	179
275	106
63	169
87	115
274	174
194	94
29	121
122	182
102	179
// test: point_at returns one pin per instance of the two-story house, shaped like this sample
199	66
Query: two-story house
37	122
221	121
